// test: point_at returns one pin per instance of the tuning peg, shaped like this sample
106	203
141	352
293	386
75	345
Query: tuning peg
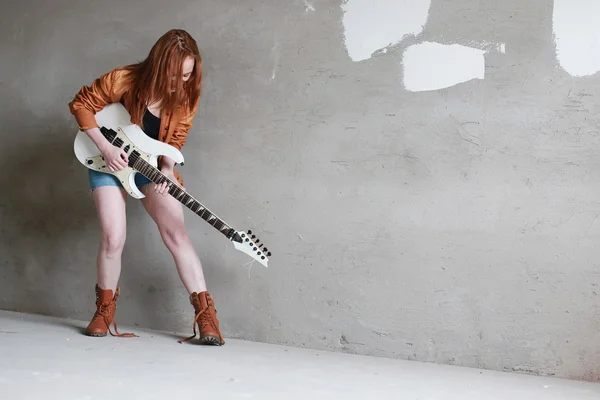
265	249
257	240
269	254
249	232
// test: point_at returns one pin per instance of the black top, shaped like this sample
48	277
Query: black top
151	125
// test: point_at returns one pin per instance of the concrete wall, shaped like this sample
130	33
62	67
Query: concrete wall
442	211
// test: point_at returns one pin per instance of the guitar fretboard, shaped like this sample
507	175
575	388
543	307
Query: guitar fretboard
156	176
180	194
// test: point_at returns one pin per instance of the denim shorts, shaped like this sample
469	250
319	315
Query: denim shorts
98	179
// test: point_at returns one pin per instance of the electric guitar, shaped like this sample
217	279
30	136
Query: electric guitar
143	152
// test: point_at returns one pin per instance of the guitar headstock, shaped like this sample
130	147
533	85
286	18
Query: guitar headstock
248	243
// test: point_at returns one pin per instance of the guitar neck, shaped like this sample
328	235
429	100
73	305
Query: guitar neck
156	176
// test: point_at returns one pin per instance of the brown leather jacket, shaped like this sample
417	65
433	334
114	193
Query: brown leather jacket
112	88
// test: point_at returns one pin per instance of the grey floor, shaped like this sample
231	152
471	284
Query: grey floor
46	358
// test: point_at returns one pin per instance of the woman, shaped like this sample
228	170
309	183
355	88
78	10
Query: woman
161	95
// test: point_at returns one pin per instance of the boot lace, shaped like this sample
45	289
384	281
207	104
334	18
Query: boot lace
200	315
104	312
204	318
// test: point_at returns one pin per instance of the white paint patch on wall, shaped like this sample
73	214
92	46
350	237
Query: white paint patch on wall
372	25
433	66
577	35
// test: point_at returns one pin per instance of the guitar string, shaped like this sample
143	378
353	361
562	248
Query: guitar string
149	169
145	168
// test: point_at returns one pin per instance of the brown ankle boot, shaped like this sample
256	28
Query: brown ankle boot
106	306
206	318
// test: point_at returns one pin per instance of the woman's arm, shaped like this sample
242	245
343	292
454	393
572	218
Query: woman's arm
91	99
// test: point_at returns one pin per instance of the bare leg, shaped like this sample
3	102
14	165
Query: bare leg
168	215
110	206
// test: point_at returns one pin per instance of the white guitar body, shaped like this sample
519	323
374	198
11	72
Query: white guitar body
143	153
116	117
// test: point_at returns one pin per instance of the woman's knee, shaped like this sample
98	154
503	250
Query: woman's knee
112	243
175	236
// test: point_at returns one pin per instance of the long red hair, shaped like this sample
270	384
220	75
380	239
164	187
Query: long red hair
152	78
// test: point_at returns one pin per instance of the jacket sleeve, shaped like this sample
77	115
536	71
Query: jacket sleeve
179	137
91	99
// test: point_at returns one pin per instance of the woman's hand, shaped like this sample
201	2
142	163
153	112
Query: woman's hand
163	187
114	157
